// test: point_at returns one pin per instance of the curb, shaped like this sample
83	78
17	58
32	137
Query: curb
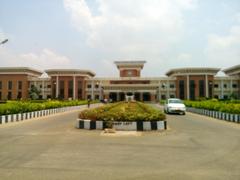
127	126
34	114
216	114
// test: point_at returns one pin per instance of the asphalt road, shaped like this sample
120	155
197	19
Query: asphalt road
194	147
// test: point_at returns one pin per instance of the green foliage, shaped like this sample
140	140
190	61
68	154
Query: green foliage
14	107
123	111
34	93
232	106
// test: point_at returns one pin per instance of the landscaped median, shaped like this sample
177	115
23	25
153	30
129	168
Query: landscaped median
224	110
123	116
14	111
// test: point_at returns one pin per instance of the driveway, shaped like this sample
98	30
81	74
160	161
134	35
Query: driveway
194	147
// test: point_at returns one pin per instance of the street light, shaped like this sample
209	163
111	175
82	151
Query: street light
4	41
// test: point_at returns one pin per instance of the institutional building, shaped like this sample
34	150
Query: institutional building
183	83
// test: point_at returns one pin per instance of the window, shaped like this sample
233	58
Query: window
129	73
79	90
61	94
216	96
225	96
163	86
0	84
172	86
0	95
19	85
215	85
181	89
89	86
70	89
192	89
172	96
49	86
201	88
97	97
234	85
225	85
9	97
96	86
9	85
19	96
163	97
89	97
40	86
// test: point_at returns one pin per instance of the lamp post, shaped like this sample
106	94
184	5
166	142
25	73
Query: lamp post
4	41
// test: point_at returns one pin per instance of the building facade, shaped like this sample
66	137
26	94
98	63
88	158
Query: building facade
183	83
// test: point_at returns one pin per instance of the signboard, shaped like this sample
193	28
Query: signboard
125	126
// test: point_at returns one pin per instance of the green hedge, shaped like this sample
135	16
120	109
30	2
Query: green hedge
123	111
232	107
14	107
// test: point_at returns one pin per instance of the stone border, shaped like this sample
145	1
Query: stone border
34	114
216	114
127	126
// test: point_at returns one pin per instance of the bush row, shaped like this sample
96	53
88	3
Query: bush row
14	107
123	111
232	107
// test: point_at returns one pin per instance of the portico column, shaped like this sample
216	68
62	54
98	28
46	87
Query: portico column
74	87
117	96
188	87
57	86
221	89
159	92
168	96
206	81
92	91
231	88
43	89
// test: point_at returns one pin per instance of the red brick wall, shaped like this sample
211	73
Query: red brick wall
135	73
14	78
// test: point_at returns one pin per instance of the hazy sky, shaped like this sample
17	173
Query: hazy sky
91	34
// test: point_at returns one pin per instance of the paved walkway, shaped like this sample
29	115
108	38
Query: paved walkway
194	147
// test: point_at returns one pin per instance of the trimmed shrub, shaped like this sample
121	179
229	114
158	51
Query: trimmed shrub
14	107
123	111
232	106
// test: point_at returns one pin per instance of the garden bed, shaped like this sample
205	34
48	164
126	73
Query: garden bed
123	116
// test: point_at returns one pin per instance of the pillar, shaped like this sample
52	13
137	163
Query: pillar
74	87
188	93
92	93
57	86
43	89
141	96
206	84
221	89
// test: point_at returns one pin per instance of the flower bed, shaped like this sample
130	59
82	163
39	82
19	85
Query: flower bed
123	111
15	107
232	107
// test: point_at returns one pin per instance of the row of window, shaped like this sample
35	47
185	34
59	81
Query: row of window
9	95
225	85
89	86
172	86
10	85
40	86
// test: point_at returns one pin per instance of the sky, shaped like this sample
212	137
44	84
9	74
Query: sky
92	34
